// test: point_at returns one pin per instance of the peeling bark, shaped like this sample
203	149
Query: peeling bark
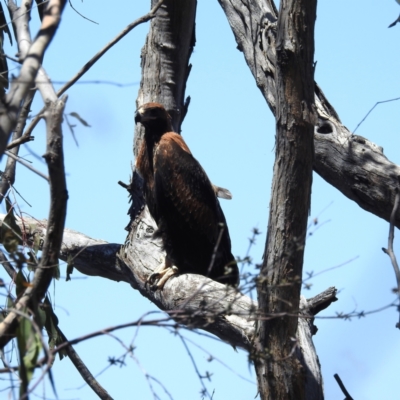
193	300
352	164
280	371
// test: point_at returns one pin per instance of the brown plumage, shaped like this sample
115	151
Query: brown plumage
183	202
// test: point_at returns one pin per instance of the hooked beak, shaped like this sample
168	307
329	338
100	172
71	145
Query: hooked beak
138	116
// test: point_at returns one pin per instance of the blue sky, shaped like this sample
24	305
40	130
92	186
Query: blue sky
231	131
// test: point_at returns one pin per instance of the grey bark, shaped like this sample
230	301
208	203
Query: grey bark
10	104
165	61
279	366
193	300
58	208
352	164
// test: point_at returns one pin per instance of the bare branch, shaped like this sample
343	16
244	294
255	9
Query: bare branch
72	354
190	299
31	64
390	252
322	301
27	165
84	371
352	164
8	177
52	243
150	15
342	387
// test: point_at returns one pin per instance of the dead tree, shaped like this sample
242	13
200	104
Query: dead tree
277	333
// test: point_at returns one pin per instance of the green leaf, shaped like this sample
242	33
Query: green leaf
10	232
79	118
29	347
37	242
10	302
51	325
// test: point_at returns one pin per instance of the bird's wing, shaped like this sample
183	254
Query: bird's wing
222	193
184	193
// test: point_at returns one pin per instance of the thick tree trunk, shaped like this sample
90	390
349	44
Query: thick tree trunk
352	164
165	61
279	369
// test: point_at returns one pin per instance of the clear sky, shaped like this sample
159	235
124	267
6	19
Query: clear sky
231	131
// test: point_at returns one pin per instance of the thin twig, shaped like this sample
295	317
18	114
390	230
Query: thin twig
25	164
8	178
7	266
389	251
369	112
395	22
18	142
53	240
95	58
212	357
84	371
342	387
205	391
156	322
30	67
94	22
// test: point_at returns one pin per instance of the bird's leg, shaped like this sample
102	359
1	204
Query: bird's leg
158	278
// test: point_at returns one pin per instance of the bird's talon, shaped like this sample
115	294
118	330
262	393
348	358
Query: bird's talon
152	280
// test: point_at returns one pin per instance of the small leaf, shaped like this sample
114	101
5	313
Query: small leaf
52	383
41	316
37	242
51	325
80	119
29	347
70	267
10	302
10	232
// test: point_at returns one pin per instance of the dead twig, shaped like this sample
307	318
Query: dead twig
389	251
95	58
342	387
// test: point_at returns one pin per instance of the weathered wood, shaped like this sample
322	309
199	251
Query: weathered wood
165	61
278	362
193	300
58	209
352	164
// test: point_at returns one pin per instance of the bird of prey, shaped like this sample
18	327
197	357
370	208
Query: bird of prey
184	204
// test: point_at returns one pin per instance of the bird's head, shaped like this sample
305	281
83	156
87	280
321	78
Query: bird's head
154	116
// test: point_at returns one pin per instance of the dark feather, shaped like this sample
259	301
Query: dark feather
183	201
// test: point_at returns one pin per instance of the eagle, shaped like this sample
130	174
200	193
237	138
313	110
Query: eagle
184	204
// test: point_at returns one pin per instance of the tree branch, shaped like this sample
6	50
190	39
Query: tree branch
390	251
190	299
72	354
279	282
145	18
52	243
83	370
30	66
352	164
